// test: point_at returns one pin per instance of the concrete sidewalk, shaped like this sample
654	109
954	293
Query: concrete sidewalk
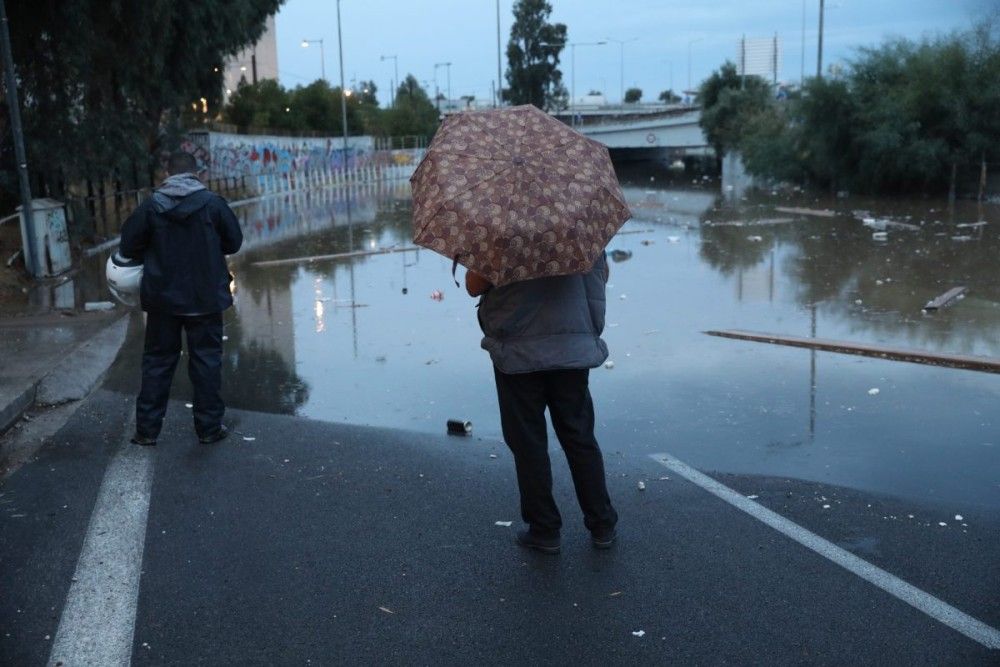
53	359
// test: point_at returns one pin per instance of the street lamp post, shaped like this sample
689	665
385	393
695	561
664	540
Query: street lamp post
343	90
322	58
819	48
690	44
499	81
24	182
395	66
572	69
621	61
437	95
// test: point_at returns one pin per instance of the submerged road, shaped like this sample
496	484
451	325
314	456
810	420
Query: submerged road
303	542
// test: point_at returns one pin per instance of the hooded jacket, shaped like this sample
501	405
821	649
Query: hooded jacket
182	234
547	323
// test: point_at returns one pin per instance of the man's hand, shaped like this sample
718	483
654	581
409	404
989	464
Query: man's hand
475	284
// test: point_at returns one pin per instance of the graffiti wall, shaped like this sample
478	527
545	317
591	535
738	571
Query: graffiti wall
226	155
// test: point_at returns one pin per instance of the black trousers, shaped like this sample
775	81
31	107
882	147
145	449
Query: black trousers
523	398
159	359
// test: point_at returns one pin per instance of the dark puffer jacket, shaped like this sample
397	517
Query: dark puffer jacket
182	234
548	323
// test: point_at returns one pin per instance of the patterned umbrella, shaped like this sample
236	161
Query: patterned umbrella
514	194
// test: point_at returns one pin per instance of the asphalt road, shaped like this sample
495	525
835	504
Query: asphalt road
316	543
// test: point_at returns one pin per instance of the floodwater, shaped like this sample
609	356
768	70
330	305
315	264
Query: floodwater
361	340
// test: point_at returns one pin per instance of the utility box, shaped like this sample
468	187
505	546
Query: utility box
51	254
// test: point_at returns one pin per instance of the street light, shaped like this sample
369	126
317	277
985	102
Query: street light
621	60
395	66
322	58
690	44
572	51
447	67
343	91
819	48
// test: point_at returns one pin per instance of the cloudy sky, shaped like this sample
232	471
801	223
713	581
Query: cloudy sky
463	32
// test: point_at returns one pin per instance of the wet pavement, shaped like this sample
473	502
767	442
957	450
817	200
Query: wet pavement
361	340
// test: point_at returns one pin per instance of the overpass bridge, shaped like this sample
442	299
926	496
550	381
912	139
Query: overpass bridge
661	131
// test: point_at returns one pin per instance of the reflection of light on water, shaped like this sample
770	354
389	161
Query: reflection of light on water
319	310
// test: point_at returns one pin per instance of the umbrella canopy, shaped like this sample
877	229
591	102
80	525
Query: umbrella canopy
514	194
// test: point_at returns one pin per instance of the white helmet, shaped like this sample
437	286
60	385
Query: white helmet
124	277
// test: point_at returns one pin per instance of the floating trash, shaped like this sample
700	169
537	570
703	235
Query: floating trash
873	391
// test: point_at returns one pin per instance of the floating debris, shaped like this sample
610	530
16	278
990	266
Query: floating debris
873	391
958	517
386	610
505	524
609	364
642	485
753	497
639	633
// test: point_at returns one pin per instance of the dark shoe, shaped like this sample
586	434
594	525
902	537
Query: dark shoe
143	440
529	540
603	539
221	434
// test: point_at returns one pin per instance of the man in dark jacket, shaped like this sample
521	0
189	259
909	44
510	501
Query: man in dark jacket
182	234
543	337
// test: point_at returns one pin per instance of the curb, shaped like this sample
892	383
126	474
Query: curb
82	369
12	411
71	379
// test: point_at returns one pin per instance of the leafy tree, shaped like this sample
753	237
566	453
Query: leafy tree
633	95
413	114
669	97
533	74
264	104
103	84
728	101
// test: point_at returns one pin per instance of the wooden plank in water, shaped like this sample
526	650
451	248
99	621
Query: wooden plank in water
339	255
819	213
946	298
969	363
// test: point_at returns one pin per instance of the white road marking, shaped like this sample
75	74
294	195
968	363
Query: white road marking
937	609
98	620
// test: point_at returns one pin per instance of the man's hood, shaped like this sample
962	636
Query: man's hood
179	196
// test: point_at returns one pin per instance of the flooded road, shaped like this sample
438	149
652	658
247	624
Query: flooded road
362	341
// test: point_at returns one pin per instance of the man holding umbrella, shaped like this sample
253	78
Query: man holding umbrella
528	205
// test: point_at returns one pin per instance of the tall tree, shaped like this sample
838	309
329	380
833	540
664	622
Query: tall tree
413	114
533	75
104	83
633	95
728	101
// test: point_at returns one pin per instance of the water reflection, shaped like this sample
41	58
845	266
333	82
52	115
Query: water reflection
361	339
